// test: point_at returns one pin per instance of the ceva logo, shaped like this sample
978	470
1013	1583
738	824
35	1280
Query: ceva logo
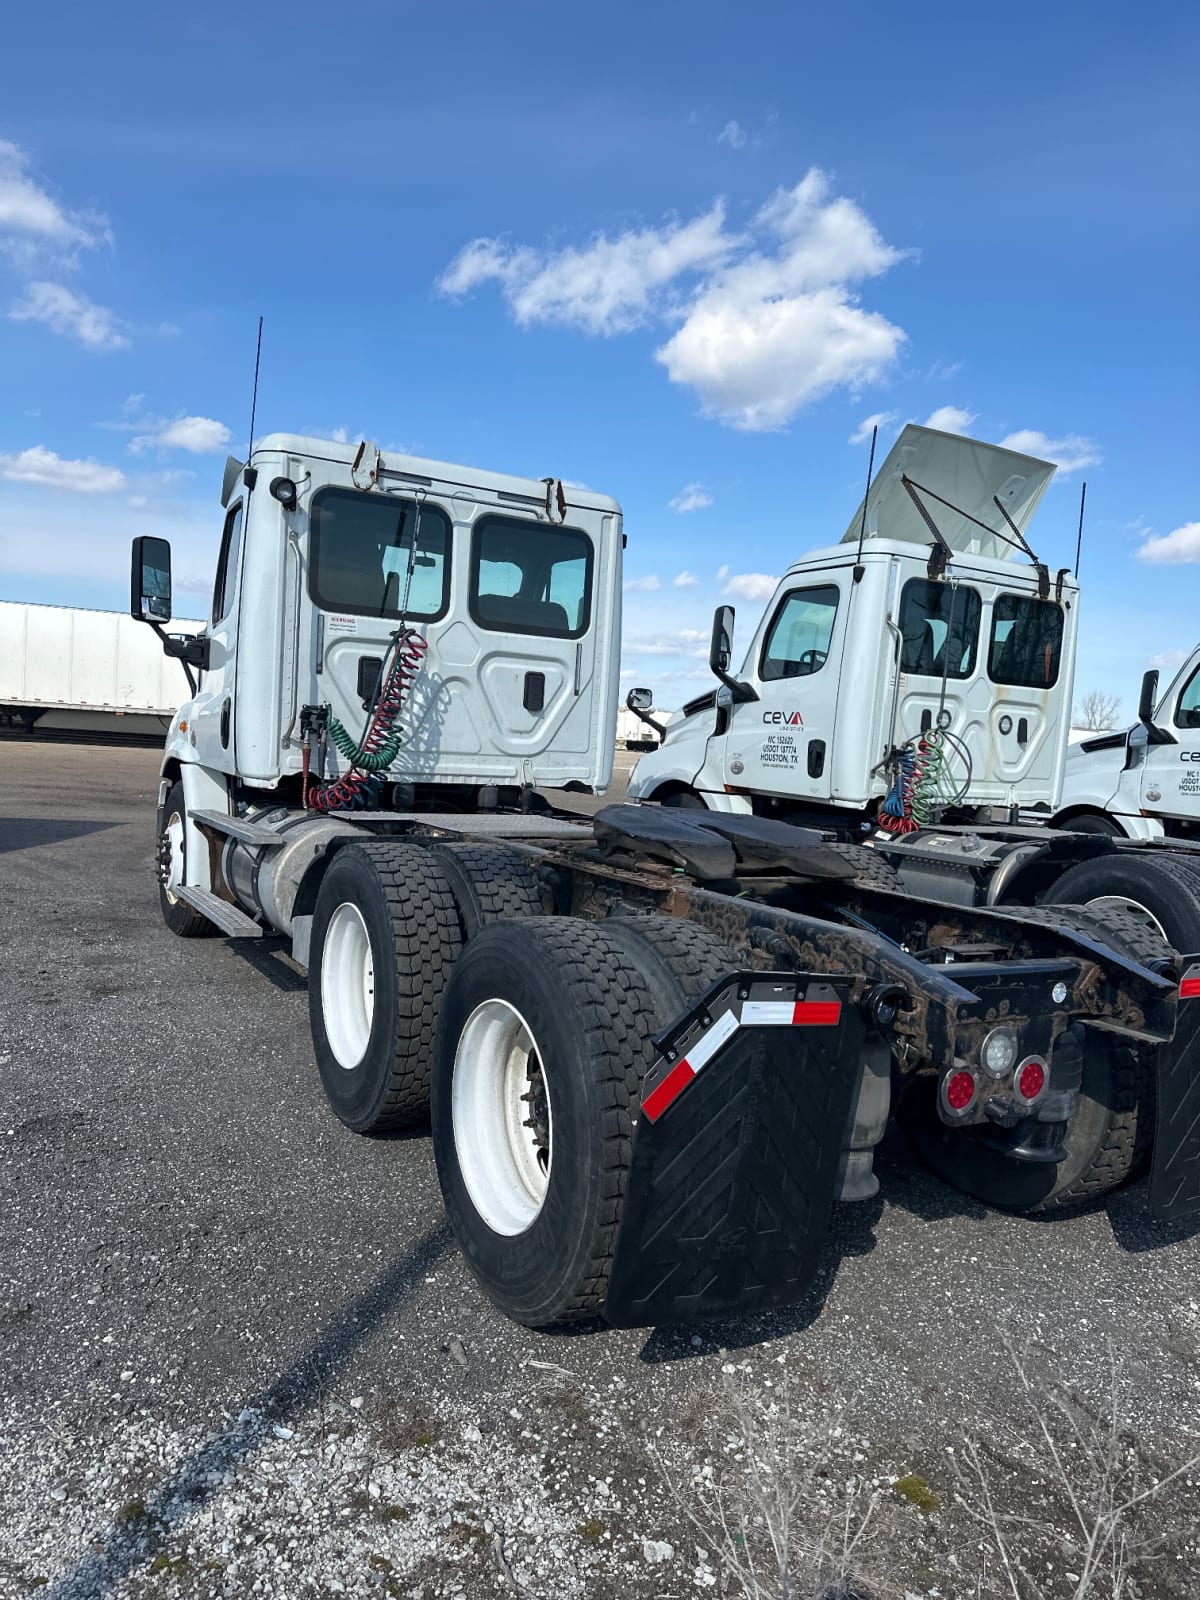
783	719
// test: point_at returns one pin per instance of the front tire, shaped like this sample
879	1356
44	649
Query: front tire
171	864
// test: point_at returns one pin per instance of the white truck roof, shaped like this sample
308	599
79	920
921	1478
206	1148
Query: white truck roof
967	473
421	467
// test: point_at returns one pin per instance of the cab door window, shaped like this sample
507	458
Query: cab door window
1187	710
227	564
797	643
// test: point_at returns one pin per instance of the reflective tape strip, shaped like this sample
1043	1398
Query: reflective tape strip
675	1082
817	1013
791	1013
755	1014
1189	989
707	1045
768	1013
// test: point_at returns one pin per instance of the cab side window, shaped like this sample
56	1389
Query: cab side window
227	564
1187	711
798	640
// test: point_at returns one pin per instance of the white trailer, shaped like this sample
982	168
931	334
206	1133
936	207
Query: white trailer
70	668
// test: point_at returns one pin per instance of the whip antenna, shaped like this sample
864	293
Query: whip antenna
862	531
1079	536
254	396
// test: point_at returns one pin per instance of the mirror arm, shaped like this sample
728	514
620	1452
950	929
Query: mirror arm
192	652
742	692
660	728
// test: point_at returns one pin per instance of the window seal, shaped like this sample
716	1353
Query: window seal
220	599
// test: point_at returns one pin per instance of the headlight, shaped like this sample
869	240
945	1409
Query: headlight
999	1052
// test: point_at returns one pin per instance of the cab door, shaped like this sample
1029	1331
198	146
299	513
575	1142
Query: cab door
1170	773
781	743
212	714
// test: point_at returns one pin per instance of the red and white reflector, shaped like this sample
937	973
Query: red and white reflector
1189	989
754	1014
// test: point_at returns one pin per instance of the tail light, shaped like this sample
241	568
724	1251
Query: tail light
958	1091
1030	1079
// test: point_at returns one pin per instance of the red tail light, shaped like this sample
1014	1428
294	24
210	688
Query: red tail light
959	1090
1031	1079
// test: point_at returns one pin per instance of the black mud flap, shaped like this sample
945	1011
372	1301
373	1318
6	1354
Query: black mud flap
736	1150
1175	1175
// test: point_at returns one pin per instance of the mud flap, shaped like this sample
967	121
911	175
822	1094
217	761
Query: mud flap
737	1148
1175	1175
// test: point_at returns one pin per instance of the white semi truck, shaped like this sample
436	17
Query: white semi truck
1143	782
655	1045
913	684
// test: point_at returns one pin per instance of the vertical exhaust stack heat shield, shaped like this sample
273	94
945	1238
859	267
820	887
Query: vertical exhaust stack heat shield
738	1149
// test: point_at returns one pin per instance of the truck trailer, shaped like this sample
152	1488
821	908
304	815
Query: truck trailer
656	1045
66	668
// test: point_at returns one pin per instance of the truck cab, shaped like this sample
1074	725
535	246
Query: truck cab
1142	782
327	549
923	617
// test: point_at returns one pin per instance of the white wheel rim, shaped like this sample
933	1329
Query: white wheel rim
1119	902
174	836
347	985
505	1164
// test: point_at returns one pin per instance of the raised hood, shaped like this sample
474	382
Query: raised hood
963	471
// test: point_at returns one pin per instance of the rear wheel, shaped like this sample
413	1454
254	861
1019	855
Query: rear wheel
384	936
1162	890
171	866
1105	1142
489	882
545	1038
1091	822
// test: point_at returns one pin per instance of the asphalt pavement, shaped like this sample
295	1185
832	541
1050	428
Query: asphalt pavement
210	1289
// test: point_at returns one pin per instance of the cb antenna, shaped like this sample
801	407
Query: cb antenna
862	531
1079	535
254	396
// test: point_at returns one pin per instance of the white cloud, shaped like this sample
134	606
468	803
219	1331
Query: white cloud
692	497
732	134
753	586
684	642
33	225
199	435
41	466
768	320
1071	453
950	419
607	287
1168	660
1178	548
686	580
877	419
70	314
722	574
646	585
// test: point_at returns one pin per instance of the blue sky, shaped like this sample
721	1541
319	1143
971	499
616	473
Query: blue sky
678	252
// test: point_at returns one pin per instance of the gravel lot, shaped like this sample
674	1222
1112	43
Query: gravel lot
239	1353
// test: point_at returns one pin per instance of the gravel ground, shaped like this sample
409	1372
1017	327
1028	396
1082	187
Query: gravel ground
239	1353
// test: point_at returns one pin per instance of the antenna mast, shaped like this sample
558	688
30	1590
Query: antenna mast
862	531
254	396
1079	536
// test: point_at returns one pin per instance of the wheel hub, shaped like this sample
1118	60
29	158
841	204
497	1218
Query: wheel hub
502	1118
